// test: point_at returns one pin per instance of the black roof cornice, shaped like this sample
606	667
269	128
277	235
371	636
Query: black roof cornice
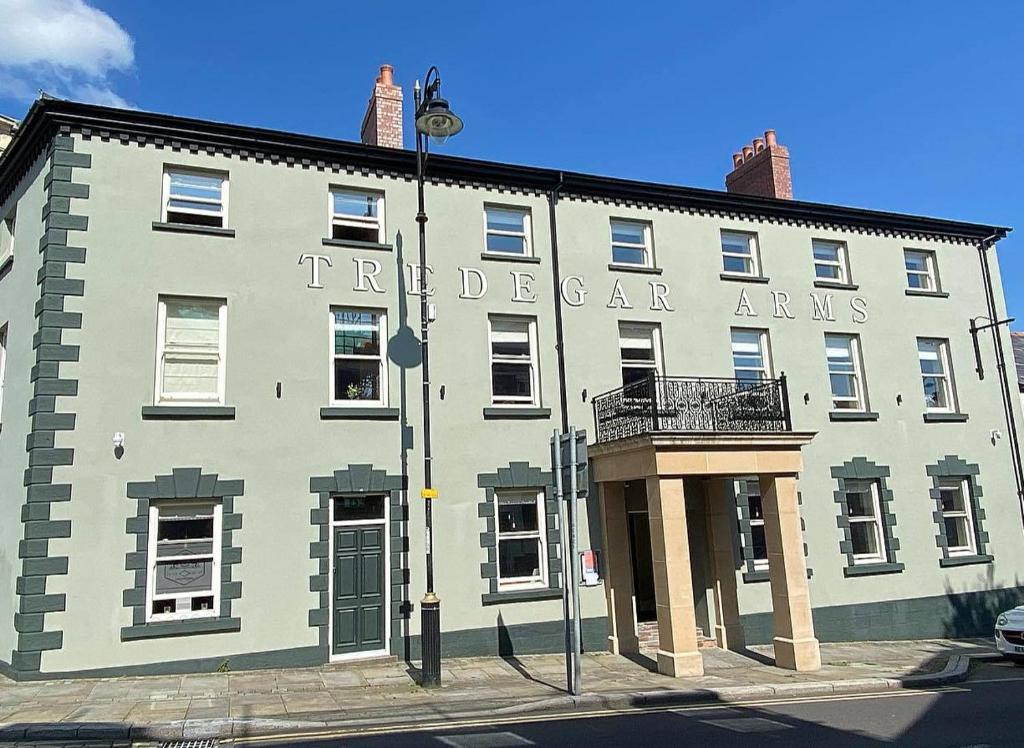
50	116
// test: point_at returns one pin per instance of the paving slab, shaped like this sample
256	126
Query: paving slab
346	694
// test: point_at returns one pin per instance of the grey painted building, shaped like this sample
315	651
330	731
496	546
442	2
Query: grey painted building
210	451
1017	338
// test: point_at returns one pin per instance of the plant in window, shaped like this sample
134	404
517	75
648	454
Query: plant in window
358	370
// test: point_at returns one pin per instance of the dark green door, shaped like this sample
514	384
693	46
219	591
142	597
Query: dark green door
358	589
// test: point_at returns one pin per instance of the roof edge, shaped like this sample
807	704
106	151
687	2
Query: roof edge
48	116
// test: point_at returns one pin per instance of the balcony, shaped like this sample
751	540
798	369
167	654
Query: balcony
660	404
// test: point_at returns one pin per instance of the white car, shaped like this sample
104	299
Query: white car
1010	634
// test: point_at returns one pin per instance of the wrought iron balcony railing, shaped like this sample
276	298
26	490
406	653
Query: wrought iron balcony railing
692	404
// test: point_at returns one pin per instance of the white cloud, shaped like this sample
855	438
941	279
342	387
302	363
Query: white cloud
65	47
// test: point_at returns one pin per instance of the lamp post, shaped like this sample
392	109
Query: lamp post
434	119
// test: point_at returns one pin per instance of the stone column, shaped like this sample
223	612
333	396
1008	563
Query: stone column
678	655
722	522
795	645
618	570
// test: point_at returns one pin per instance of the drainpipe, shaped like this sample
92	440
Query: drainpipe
556	280
1004	387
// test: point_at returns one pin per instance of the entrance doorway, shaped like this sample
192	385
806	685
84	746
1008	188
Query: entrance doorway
358	590
643	567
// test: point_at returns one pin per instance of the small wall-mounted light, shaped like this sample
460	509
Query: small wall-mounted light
899	399
584	394
807	398
278	390
442	392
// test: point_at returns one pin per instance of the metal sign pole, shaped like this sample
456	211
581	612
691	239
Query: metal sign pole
556	465
574	556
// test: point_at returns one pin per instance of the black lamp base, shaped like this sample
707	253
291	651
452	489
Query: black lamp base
430	640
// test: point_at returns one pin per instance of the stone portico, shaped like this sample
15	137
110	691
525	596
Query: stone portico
666	463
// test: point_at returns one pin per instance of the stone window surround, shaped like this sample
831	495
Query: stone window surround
186	484
860	468
355	480
749	486
518	476
952	466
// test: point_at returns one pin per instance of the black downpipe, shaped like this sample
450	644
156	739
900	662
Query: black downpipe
1004	387
563	397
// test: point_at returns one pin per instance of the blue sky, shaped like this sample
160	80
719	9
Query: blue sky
911	106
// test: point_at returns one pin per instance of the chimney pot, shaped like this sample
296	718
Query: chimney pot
382	123
764	175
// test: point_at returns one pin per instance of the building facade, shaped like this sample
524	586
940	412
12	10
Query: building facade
211	442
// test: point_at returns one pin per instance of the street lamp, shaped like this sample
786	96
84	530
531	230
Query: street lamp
434	119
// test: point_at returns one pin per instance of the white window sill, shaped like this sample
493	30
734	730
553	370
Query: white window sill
495	412
510	257
744	277
188	412
367	412
625	268
192	228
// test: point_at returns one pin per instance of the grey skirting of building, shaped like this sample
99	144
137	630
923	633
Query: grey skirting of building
509	640
954	615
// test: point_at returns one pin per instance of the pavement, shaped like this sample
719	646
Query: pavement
357	695
981	711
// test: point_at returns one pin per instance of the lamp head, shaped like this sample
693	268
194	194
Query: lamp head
436	119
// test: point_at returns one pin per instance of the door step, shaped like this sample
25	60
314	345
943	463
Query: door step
647	633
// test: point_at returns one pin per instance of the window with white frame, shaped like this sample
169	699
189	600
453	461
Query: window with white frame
359	357
3	367
831	262
750	361
507	231
639	351
845	372
6	238
921	275
191	351
513	342
631	243
522	545
357	215
933	353
864	513
739	253
199	198
957	516
758	541
184	560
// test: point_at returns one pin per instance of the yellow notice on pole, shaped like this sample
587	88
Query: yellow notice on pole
428	493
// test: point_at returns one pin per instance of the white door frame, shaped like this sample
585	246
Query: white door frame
384	525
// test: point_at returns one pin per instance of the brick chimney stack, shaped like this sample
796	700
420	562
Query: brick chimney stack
382	123
762	169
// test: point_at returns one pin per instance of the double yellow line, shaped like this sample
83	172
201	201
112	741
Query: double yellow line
562	716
